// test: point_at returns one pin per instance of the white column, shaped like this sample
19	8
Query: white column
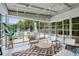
6	38
70	28
39	25
39	29
56	30
23	30
50	31
0	25
35	27
44	30
63	35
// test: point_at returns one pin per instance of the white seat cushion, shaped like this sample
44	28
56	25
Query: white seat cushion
64	52
70	41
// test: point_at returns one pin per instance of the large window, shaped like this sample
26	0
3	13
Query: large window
2	33
66	28
41	25
15	24
26	26
53	28
75	28
59	27
37	23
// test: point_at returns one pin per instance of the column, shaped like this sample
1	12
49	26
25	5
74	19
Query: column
63	35
70	28
6	38
50	31
35	27
23	30
44	30
56	30
39	29
0	34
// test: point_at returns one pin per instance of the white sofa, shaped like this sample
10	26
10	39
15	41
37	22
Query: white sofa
70	41
64	52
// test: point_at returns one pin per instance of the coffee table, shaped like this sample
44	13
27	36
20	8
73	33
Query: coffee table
45	46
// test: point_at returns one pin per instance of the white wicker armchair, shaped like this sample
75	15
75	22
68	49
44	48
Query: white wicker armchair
33	39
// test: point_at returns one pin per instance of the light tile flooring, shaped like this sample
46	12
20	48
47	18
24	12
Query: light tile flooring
17	47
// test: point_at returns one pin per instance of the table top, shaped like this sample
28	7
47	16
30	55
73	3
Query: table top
43	45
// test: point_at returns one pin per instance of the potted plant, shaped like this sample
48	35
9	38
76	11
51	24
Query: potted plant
10	34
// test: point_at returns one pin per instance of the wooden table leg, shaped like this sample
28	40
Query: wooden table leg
51	52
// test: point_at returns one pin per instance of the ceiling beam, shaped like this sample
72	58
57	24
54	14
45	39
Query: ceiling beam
67	5
43	8
28	13
27	5
6	6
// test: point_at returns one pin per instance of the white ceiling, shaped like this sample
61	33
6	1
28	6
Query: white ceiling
42	8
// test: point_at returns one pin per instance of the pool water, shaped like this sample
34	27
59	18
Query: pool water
18	33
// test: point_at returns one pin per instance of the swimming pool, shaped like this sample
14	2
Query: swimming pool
17	34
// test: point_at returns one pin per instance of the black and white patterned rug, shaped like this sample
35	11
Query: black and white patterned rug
33	52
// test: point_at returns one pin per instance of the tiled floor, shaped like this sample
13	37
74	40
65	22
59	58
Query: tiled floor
17	47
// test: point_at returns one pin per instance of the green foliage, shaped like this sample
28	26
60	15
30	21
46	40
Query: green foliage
27	23
13	26
8	31
75	20
37	22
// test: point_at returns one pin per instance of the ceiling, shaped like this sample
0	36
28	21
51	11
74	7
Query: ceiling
50	9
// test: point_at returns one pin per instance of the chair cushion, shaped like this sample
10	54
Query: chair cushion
34	41
64	52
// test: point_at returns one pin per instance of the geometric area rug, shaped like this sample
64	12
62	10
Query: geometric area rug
34	51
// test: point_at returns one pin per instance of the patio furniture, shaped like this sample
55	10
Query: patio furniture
41	36
64	52
70	44
74	48
57	45
32	38
76	52
45	46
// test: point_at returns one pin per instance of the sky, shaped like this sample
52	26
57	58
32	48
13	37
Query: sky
12	20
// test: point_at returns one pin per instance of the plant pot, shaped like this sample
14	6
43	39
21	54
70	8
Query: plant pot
10	44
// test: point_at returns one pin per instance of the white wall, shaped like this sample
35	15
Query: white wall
69	14
3	9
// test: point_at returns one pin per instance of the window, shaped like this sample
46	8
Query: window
59	27
37	22
66	28
17	25
53	27
41	25
75	29
2	33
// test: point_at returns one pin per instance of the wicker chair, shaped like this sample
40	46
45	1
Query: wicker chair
33	38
